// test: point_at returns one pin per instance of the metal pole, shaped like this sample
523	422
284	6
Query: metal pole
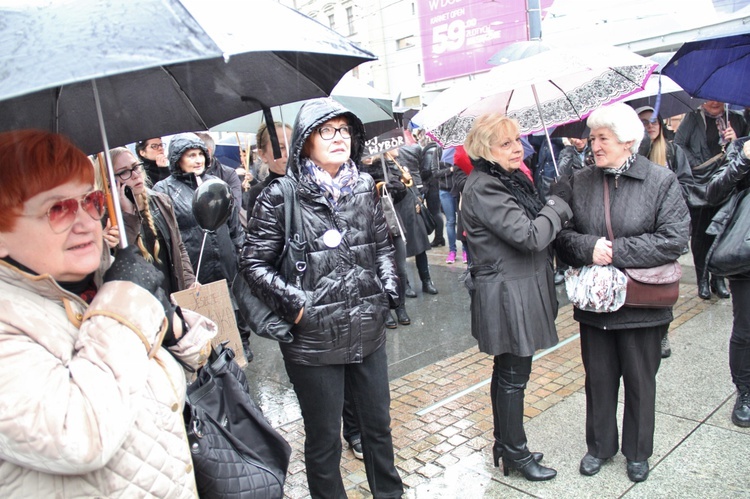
534	17
110	168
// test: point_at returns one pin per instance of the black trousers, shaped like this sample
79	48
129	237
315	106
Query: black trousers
320	392
739	343
633	355
700	242
432	198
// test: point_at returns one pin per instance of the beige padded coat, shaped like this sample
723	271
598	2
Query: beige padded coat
90	404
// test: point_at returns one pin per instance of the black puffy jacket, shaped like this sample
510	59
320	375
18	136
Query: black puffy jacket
650	222
223	245
347	289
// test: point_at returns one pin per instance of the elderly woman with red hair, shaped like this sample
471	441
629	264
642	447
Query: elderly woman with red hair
91	391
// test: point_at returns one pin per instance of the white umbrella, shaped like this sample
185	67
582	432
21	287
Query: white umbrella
551	87
368	104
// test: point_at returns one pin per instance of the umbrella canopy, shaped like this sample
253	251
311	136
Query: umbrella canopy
368	104
674	100
160	66
551	87
714	69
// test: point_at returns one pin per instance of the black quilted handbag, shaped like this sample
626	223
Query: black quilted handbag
236	453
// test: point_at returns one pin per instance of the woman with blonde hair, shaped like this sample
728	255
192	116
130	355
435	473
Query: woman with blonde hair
150	222
509	232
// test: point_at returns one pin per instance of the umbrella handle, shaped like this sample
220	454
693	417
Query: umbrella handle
107	190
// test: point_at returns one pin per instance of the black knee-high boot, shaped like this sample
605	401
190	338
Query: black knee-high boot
512	375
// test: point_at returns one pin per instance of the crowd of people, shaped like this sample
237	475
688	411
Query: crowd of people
109	347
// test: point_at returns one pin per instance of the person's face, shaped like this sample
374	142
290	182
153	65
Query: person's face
579	144
608	151
278	166
125	164
331	153
713	107
68	256
154	148
193	161
507	152
652	129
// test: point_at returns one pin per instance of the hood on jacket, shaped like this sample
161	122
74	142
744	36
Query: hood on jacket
311	115
181	143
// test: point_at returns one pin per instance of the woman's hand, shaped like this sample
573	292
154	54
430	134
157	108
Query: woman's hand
746	149
729	134
111	235
603	252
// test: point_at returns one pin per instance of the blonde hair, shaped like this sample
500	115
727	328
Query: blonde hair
486	132
141	199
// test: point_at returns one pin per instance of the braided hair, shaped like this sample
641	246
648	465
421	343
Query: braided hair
142	202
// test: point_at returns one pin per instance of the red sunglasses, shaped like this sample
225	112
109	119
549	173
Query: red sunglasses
62	214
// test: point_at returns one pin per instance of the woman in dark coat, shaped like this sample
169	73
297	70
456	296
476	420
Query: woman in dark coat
513	302
734	176
650	224
339	309
222	245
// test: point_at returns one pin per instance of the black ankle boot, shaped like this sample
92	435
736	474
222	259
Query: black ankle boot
428	287
409	292
402	316
497	453
703	290
529	468
719	287
741	412
390	322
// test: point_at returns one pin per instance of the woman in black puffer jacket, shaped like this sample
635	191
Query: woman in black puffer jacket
222	245
339	310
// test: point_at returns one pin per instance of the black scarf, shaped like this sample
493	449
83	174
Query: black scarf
516	182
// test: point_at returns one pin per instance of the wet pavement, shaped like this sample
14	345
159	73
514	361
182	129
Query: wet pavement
442	419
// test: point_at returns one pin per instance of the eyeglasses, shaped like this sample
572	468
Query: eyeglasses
160	145
329	132
62	215
648	122
128	172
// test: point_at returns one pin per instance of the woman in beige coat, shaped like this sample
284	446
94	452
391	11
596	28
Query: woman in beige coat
91	395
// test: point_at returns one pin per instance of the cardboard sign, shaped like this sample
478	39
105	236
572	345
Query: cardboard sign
213	301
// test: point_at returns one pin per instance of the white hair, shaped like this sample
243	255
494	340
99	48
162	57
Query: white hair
622	120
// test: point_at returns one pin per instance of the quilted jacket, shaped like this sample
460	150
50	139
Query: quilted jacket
347	289
85	409
650	222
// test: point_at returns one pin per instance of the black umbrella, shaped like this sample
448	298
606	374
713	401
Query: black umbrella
111	72
160	66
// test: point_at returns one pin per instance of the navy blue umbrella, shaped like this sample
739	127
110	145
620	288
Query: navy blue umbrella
714	69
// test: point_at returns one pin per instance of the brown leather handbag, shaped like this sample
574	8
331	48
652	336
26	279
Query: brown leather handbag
653	287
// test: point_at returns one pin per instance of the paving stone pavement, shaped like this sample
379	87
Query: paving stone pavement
442	423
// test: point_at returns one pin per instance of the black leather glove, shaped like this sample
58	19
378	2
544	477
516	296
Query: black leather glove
562	188
397	189
129	265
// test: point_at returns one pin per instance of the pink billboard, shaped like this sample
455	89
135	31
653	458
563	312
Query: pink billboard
459	36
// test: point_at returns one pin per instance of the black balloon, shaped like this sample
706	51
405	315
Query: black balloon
212	204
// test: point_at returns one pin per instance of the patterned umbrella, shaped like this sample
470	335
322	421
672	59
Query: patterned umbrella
550	87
